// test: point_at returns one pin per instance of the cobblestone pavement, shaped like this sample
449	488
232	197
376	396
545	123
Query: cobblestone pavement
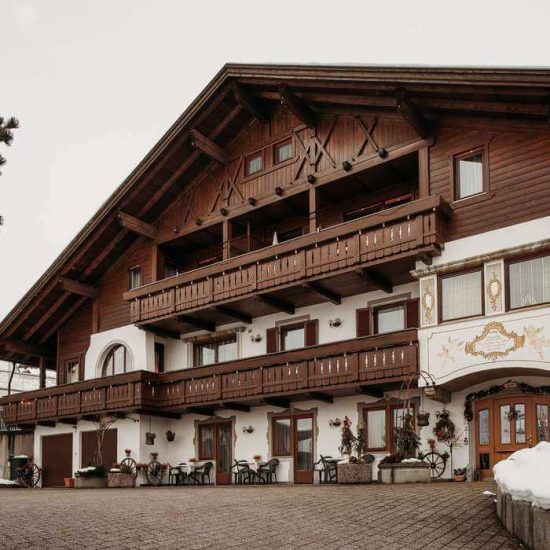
440	515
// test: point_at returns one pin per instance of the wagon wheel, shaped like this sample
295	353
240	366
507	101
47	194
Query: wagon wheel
436	462
129	463
29	475
153	472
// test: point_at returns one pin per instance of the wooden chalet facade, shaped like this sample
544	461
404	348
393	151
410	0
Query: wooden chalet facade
303	242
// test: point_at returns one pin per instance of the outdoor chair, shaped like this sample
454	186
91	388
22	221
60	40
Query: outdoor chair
241	472
177	475
199	475
329	470
268	472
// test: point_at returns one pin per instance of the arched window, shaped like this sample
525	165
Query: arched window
117	361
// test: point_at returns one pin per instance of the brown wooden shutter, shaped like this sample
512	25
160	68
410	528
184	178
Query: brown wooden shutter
363	321
411	313
311	332
272	340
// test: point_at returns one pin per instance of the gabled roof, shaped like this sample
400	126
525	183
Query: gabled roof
220	112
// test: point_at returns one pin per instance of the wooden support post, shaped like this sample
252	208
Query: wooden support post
312	210
423	172
226	238
42	373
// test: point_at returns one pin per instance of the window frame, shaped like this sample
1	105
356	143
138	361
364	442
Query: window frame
443	276
283	329
214	340
109	354
389	408
275	451
279	145
160	357
516	260
131	271
390	305
455	176
200	428
252	156
76	359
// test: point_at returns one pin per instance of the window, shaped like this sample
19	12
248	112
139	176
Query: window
542	423
381	425
293	337
469	174
72	371
134	278
254	163
117	361
281	436
159	357
216	351
206	441
282	152
170	270
483	435
529	282
461	295
389	318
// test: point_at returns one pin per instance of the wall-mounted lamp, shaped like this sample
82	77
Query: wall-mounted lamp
335	323
335	423
255	338
248	429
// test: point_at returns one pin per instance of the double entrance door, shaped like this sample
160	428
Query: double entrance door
506	424
216	444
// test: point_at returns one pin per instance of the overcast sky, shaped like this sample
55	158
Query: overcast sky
96	83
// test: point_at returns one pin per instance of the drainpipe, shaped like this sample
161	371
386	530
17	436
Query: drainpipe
13	365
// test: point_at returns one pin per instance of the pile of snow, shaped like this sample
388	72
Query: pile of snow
86	470
411	460
526	475
7	483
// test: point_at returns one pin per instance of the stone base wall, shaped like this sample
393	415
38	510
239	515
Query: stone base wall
404	473
354	473
529	524
91	482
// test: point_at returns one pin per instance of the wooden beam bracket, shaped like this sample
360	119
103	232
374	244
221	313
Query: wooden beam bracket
137	226
374	278
412	114
248	102
206	146
230	312
297	106
76	287
197	323
276	303
277	402
319	289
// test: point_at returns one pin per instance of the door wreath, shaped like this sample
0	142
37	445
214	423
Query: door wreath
444	428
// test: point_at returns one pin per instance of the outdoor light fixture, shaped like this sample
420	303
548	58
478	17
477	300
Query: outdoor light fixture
255	338
248	429
335	323
335	423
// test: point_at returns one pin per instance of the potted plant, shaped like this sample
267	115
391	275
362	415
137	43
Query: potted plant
170	436
352	469
69	482
257	458
459	474
402	466
91	477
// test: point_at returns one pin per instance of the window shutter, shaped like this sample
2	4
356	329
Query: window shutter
272	340
363	321
311	332
411	313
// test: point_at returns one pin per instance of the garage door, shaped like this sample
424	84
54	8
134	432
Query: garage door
89	448
57	459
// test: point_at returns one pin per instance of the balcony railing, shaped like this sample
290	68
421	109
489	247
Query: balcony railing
347	365
416	227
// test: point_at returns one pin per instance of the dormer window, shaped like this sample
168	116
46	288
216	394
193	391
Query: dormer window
469	174
254	163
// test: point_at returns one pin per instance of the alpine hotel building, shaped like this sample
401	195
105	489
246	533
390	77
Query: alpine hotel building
304	243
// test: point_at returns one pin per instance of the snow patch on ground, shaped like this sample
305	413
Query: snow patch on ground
7	482
489	493
406	460
526	475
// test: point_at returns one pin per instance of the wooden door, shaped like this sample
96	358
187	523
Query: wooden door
484	434
223	452
303	448
513	425
89	448
57	459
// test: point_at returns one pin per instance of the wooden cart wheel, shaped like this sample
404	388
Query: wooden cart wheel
29	476
436	462
131	464
153	473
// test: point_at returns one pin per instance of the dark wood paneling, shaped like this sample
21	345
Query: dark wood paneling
89	447
57	459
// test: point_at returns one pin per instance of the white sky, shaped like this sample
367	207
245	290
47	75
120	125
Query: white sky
96	83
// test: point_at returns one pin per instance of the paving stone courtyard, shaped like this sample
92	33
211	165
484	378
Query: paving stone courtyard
440	515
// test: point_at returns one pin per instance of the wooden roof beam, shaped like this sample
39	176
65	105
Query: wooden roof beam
197	323
375	279
297	106
242	407
277	402
67	315
248	102
76	287
230	312
412	114
137	226
24	348
206	146
276	303
319	289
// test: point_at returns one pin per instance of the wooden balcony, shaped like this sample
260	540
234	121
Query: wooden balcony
365	365
402	233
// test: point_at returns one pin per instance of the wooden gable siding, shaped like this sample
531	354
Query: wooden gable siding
342	136
519	179
114	312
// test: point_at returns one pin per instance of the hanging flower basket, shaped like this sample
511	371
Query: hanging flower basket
150	438
423	418
170	436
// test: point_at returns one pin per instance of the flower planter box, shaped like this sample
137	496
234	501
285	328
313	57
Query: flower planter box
91	482
404	472
118	479
69	482
354	473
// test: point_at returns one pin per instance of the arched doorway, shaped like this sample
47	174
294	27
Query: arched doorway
505	423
